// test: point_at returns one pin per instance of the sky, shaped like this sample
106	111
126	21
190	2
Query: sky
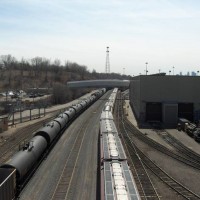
162	33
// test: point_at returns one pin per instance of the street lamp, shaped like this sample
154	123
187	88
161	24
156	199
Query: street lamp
169	72
173	70
146	67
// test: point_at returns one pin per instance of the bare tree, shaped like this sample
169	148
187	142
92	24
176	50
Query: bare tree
8	61
40	64
46	65
36	63
23	65
60	93
57	62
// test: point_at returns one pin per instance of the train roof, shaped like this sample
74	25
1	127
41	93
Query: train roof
106	115
112	147
118	181
108	126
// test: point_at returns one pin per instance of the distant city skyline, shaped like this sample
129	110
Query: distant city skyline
162	33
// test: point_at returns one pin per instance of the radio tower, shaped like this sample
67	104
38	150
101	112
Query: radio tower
107	61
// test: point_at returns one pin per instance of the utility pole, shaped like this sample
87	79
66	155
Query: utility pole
107	70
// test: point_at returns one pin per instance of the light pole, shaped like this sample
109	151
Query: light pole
169	72
173	70
146	67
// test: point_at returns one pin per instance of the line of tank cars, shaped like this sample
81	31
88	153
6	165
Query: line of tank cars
19	168
116	180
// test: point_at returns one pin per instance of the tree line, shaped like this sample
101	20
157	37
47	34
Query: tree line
43	72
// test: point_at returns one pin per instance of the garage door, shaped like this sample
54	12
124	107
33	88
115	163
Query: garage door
153	111
185	110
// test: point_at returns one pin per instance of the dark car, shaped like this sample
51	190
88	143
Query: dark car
14	96
32	95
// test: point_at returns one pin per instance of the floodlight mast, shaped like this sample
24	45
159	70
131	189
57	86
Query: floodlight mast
107	70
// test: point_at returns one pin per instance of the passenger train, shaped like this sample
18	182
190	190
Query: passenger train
116	179
21	166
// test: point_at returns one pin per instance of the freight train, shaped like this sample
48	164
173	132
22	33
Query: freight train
116	180
15	172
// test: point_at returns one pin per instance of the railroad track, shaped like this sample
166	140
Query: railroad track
65	188
161	174
62	180
179	147
178	156
11	146
145	186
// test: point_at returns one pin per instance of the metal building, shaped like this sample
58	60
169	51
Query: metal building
165	98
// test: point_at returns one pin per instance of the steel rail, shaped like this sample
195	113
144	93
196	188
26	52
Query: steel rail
145	186
64	184
135	132
12	144
160	173
180	147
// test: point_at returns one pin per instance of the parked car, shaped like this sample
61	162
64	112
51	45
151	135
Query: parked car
14	96
32	95
40	94
190	128
3	94
10	93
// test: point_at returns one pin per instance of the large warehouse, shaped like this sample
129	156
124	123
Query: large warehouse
165	98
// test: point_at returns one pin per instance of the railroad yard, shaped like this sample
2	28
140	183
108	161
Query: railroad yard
165	164
174	158
76	157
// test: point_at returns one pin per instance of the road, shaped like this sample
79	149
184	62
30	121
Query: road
81	172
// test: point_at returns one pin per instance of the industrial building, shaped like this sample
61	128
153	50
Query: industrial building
164	98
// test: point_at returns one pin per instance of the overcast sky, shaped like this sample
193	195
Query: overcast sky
164	33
